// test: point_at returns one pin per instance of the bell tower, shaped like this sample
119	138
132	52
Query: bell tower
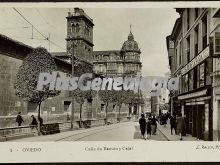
80	34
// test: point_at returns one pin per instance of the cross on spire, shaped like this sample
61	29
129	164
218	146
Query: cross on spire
130	27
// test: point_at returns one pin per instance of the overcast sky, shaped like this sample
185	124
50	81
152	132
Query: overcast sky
112	26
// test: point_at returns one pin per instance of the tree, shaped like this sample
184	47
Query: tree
107	97
129	98
80	97
38	61
119	98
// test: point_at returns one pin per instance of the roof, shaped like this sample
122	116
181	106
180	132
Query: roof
177	28
106	52
58	53
15	41
25	49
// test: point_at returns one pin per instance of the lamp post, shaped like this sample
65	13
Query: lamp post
73	45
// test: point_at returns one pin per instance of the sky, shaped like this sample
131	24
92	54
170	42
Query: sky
150	26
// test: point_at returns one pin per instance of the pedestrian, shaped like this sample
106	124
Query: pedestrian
154	125
19	119
173	124
142	123
34	121
148	128
180	124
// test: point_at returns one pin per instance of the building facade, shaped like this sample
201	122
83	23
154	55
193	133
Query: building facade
192	63
214	39
124	62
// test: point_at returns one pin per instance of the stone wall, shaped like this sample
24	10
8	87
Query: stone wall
10	104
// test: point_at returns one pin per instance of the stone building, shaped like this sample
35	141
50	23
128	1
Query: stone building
214	34
12	54
190	50
124	62
107	63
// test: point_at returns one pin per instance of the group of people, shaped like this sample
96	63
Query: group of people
20	120
149	124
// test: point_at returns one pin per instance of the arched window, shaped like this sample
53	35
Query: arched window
77	27
73	28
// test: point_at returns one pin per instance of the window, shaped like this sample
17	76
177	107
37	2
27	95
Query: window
180	53
202	75
176	56
171	44
217	64
102	107
217	43
67	106
73	28
195	79
196	13
204	31
185	83
100	68
113	107
77	27
196	41
188	49
106	57
188	18
191	73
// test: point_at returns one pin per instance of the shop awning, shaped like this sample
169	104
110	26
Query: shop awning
192	95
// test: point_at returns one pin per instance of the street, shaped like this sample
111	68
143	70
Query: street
126	131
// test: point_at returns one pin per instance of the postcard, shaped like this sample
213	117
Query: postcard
110	82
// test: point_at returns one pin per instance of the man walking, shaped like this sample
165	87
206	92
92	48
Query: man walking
180	124
173	124
154	125
142	123
19	119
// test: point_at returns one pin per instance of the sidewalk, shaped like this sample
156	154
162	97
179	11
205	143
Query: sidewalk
167	133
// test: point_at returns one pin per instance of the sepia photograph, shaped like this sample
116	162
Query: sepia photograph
80	74
109	82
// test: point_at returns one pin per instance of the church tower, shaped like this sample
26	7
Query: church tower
80	34
131	54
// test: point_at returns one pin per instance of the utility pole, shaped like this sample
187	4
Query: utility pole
73	61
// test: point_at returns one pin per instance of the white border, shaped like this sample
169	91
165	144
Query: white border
143	151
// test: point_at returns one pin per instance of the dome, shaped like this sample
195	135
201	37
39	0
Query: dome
130	44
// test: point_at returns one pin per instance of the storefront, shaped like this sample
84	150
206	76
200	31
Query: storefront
196	108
